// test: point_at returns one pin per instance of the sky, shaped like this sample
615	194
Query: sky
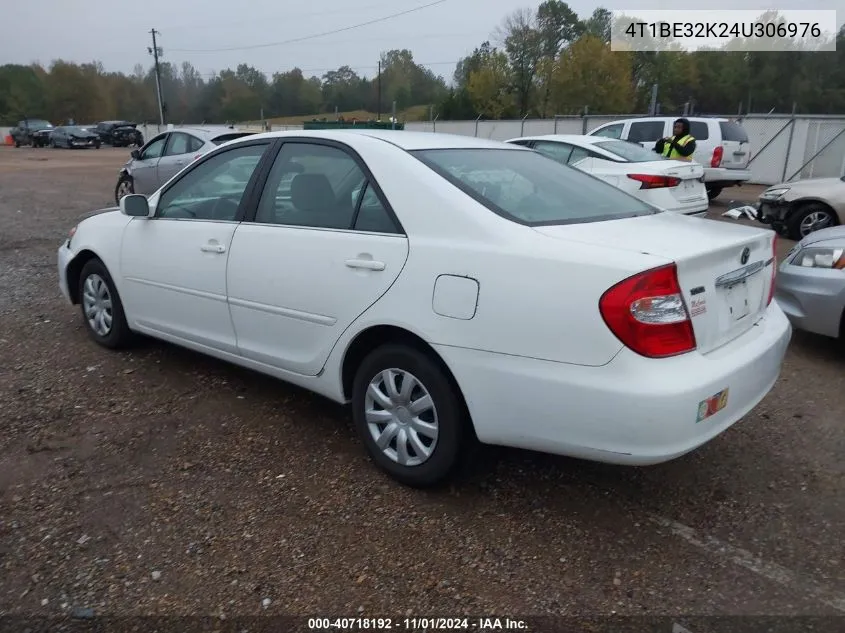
118	34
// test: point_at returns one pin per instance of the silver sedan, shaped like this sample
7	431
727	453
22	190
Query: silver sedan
165	155
810	285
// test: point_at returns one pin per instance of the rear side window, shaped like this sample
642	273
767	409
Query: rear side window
631	152
527	188
646	131
733	132
611	131
699	130
224	138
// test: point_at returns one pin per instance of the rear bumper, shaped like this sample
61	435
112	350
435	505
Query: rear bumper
726	176
812	299
633	410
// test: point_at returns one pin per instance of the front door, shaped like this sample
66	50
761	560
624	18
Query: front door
144	168
174	264
324	247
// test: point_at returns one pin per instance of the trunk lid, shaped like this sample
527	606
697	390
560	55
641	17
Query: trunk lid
724	295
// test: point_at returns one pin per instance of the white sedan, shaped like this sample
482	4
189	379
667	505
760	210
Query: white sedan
451	289
671	185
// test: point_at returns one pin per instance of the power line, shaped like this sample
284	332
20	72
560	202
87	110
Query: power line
309	37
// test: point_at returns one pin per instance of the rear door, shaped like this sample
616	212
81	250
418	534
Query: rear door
323	247
736	150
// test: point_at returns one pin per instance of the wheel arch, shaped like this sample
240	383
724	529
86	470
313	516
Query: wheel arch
801	204
74	270
375	336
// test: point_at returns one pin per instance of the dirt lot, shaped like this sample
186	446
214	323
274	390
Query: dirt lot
162	482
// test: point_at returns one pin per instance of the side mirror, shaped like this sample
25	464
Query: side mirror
135	154
135	206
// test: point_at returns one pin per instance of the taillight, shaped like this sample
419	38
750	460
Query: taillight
647	181
647	313
718	152
774	270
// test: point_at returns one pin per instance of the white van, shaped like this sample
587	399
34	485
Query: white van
721	145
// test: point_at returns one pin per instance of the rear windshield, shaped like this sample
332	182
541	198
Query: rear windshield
733	132
631	152
528	188
225	138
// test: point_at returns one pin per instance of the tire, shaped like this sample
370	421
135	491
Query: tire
130	187
713	193
96	146
447	414
53	144
808	219
17	143
95	288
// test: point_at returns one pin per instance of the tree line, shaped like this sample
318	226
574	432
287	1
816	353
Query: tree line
538	63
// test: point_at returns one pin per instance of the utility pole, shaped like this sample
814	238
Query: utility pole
155	51
378	82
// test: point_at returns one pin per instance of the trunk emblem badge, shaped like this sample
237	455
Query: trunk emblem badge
746	253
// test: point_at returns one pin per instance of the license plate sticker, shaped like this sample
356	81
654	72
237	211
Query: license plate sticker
738	302
712	405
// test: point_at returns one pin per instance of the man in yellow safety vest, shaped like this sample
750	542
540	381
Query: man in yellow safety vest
679	146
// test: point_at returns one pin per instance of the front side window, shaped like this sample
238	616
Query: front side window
155	149
213	190
527	188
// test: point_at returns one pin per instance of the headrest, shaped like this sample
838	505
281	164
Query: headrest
312	192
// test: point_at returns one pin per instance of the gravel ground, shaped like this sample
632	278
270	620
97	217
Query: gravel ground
162	482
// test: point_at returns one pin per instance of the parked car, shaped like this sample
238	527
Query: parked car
796	209
721	145
35	132
119	133
449	288
667	184
74	136
810	288
166	155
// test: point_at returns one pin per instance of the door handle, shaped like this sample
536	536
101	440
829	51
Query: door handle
213	248
366	264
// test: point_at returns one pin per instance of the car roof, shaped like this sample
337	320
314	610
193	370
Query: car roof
667	118
400	138
578	139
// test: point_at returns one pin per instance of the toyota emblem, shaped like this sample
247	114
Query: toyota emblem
746	253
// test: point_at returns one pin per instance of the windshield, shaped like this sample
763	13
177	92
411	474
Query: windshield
631	152
38	124
78	129
528	188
